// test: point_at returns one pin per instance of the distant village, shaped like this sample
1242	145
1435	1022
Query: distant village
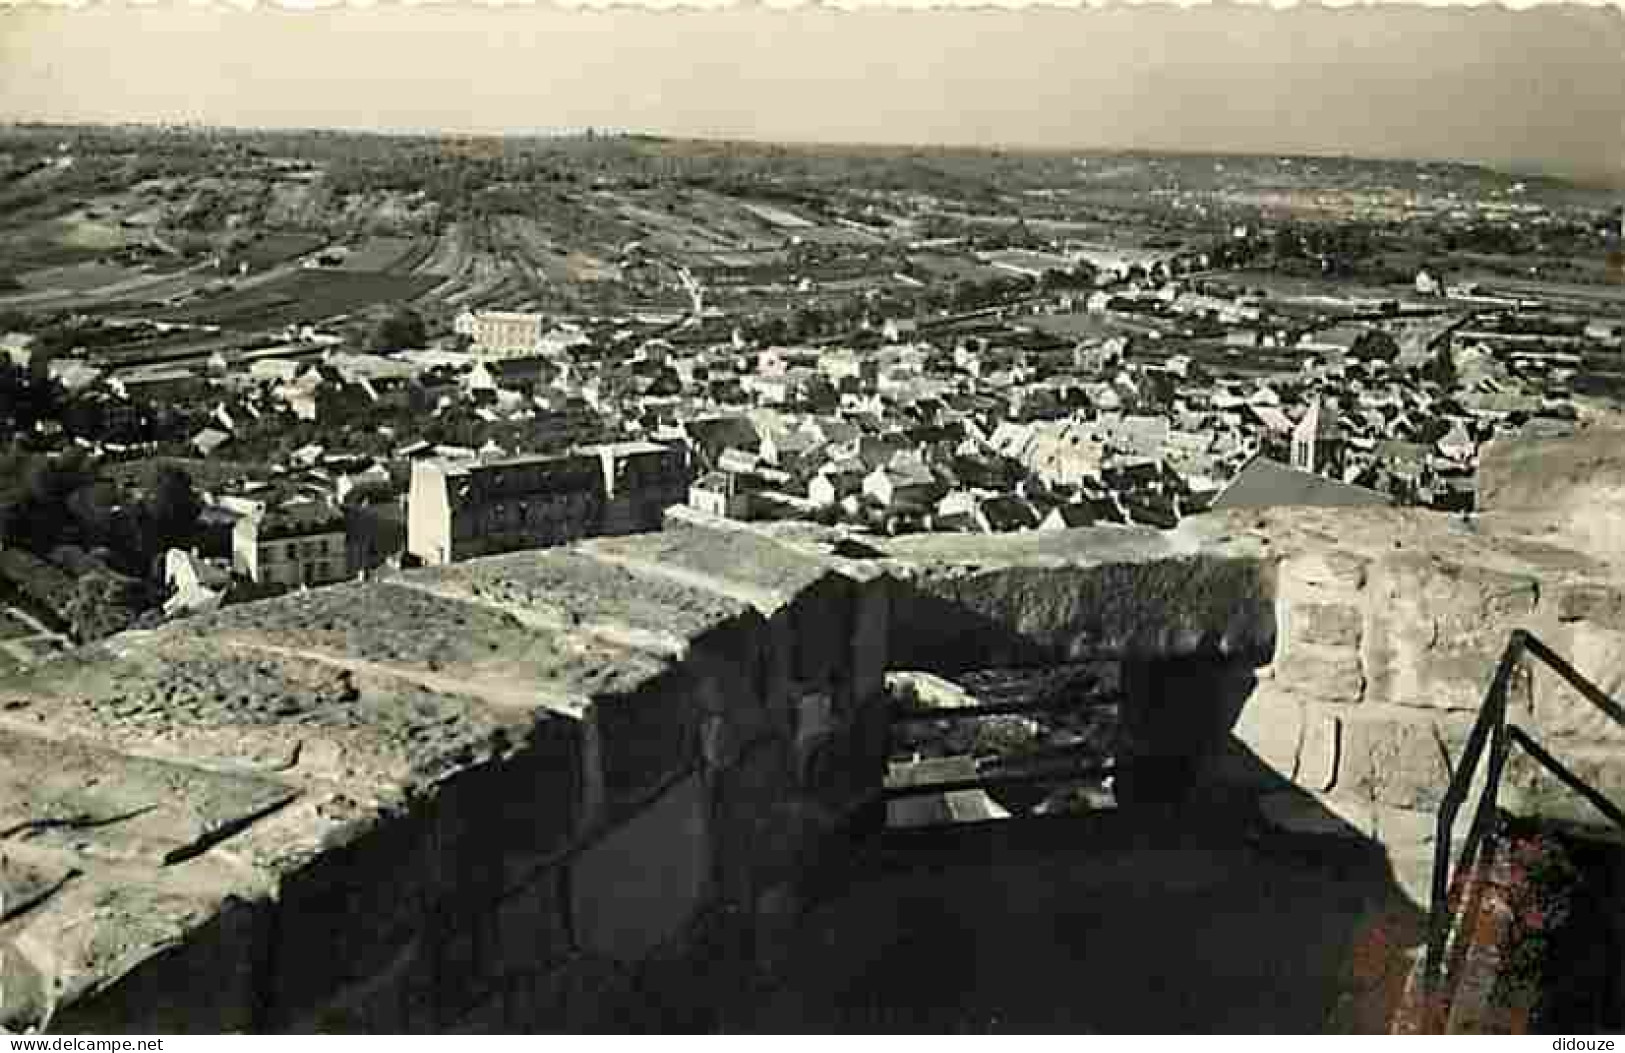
519	431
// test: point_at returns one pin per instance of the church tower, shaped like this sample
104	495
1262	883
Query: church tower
1317	442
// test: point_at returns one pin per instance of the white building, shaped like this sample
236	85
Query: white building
501	332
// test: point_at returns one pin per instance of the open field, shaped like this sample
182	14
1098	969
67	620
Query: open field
302	297
277	247
385	255
82	277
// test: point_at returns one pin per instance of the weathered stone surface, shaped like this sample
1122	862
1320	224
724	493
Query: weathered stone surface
1441	629
102	804
1066	595
529	929
1531	789
812	602
456	736
568	590
441	643
178	696
637	887
1601	605
1292	739
1328	674
719	639
1400	757
1329	570
717	557
120	957
350	906
754	830
24	883
1324	624
1558	711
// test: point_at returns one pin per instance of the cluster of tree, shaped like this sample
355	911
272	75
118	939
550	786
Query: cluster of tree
50	501
401	330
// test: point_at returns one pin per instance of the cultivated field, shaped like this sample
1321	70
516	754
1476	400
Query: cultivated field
306	296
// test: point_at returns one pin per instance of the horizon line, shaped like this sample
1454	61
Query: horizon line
1526	169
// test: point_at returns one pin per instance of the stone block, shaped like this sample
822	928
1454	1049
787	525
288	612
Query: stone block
1531	789
871	628
398	999
1600	604
1328	569
160	959
1327	624
643	738
1558	710
1439	628
494	824
1010	611
349	910
1288	739
588	993
1325	674
752	838
1271	727
528	931
1401	757
104	805
645	878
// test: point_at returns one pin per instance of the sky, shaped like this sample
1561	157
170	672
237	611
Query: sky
1540	89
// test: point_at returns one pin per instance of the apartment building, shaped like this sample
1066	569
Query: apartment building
301	543
458	510
501	332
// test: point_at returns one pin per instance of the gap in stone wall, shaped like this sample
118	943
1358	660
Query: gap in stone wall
1072	731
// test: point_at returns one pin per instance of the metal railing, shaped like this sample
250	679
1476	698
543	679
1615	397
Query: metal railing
1492	731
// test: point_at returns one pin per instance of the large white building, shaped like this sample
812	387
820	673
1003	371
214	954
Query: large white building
501	332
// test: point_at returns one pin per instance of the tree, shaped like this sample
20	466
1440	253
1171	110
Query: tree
1375	343
173	509
1441	369
102	603
399	331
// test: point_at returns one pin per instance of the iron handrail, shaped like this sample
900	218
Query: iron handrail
1492	730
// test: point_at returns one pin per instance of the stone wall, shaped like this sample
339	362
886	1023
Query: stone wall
549	791
1391	625
577	788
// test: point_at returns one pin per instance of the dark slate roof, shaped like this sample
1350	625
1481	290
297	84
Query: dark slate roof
1264	483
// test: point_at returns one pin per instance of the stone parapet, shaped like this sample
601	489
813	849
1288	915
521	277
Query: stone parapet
533	791
491	795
